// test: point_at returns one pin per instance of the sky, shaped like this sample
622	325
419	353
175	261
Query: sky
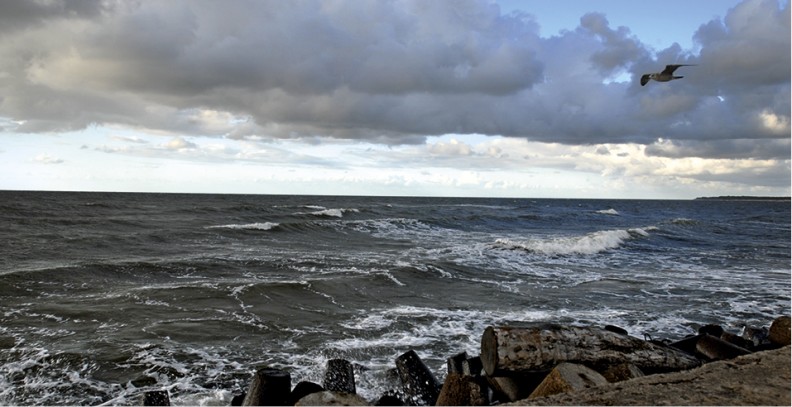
468	98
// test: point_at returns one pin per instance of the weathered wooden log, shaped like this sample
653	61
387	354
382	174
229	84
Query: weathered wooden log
533	349
568	377
418	382
340	376
714	348
711	329
269	387
156	398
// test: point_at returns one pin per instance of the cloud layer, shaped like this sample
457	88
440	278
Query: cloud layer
393	72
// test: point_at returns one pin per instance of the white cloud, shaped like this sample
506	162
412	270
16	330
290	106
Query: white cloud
179	143
389	72
470	96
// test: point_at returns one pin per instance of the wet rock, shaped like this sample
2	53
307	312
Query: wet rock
757	336
331	398
568	377
737	340
156	398
144	381
7	342
780	331
711	329
616	329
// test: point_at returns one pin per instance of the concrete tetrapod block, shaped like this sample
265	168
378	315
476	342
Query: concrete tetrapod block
780	331
419	384
156	398
717	349
568	377
340	376
332	398
269	387
460	390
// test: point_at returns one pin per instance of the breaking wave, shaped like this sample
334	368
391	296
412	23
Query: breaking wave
248	226
591	243
610	211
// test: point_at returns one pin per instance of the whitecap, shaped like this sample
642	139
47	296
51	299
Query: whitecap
609	211
591	243
335	212
248	226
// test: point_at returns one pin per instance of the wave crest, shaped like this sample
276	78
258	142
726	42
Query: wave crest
335	212
248	226
610	211
591	243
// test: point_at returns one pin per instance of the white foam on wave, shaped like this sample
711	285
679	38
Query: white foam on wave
406	326
609	211
684	221
400	228
248	226
334	212
591	243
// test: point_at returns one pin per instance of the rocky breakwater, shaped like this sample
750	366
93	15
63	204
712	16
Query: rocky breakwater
565	365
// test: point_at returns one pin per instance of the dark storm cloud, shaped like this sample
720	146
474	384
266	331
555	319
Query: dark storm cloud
24	13
390	72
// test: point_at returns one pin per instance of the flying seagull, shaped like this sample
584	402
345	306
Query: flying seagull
665	76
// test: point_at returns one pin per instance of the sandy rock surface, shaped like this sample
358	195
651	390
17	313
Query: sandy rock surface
761	378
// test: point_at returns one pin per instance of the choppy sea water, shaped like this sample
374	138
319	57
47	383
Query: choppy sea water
104	296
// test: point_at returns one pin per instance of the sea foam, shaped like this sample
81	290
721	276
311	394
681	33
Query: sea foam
248	226
591	243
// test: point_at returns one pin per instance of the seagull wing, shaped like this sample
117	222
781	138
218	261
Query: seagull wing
669	69
644	79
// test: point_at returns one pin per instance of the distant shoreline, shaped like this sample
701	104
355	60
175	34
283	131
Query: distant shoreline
743	198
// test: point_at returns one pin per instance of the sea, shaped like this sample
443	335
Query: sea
104	296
